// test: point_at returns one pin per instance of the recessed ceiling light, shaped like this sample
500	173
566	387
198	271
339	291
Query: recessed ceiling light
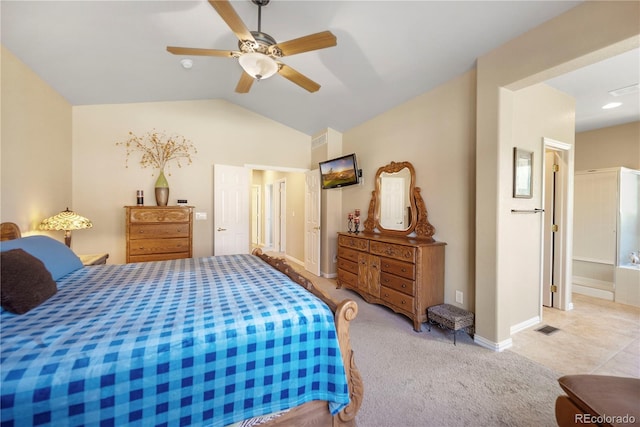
611	105
624	90
186	63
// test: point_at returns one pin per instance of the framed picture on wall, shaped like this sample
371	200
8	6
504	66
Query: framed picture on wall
522	173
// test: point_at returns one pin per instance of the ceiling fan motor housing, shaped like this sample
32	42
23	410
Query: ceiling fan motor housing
264	43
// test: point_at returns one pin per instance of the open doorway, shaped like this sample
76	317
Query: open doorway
557	225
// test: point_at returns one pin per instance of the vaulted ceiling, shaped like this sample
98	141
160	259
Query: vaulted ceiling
103	52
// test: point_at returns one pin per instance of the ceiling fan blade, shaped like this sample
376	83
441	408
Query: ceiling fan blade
307	43
229	15
244	85
297	78
201	52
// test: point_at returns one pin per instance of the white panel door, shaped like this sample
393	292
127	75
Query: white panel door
312	222
231	209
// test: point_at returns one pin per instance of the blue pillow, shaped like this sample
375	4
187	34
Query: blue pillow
55	255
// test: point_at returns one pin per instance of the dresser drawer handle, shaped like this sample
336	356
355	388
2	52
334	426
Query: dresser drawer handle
404	270
386	295
404	285
404	302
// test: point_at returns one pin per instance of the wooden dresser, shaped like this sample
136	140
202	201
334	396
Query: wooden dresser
156	233
404	274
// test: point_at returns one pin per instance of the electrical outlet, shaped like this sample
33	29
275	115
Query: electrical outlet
459	298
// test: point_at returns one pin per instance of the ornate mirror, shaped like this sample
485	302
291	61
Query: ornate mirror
396	205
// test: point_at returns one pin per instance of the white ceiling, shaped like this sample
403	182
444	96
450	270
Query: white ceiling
103	52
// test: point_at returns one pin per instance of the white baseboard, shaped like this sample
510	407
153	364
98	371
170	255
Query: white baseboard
494	346
593	283
525	325
592	292
295	260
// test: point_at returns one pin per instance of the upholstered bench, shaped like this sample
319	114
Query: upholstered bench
451	317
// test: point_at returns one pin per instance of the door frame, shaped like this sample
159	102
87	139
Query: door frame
564	220
280	211
256	216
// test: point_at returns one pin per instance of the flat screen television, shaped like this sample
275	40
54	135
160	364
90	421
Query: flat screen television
339	172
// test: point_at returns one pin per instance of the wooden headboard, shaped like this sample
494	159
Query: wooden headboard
9	231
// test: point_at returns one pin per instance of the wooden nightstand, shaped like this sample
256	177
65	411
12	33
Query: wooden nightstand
94	259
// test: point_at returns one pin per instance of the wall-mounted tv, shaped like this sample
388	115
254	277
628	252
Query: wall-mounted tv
339	172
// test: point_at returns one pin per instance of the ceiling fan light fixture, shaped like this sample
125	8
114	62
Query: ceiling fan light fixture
258	65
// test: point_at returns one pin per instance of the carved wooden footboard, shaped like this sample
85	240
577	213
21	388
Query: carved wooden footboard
317	413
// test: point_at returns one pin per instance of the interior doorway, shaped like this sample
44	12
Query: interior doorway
256	216
268	217
555	287
280	215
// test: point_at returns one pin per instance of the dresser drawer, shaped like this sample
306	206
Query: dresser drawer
349	254
347	278
403	269
398	283
157	257
347	265
397	299
159	246
391	250
353	242
160	215
149	231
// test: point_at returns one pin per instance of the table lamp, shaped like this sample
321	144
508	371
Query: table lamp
66	220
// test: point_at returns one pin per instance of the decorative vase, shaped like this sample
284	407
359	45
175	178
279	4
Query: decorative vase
162	190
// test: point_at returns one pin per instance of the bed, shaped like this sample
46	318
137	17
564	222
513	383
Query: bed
214	341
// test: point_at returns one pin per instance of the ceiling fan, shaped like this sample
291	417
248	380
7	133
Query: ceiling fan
259	54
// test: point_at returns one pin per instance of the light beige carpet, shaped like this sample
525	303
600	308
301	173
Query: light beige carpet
422	379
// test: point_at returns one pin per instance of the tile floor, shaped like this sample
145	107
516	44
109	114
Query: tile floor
596	337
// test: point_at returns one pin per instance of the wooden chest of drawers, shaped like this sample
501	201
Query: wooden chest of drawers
156	233
404	274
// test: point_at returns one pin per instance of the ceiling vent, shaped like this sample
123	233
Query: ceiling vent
624	90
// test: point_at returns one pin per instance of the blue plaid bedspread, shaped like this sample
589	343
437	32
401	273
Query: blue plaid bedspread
201	341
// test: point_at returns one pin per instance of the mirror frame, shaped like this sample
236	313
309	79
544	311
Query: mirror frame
419	223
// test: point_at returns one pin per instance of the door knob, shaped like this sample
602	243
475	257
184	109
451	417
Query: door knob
221	229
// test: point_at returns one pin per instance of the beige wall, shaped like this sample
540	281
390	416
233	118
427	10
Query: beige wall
102	185
331	221
35	148
537	111
609	147
436	133
544	52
